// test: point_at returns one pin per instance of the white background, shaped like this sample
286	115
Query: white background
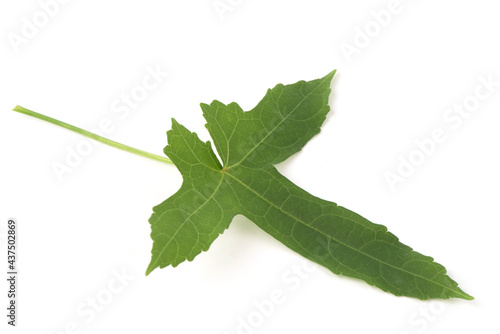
76	234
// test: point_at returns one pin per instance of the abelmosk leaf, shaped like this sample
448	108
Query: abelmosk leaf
246	182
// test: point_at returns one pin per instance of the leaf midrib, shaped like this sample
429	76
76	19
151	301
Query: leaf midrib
208	199
276	127
336	240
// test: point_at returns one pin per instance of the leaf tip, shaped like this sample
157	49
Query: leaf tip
330	75
150	268
176	127
205	108
464	295
174	122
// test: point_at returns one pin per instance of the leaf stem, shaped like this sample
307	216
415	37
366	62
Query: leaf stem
92	135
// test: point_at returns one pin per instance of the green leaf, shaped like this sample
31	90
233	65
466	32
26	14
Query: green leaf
246	182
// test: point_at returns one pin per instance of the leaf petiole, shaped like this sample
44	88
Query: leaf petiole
86	133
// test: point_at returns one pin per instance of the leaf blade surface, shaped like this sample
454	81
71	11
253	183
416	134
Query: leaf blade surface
246	182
